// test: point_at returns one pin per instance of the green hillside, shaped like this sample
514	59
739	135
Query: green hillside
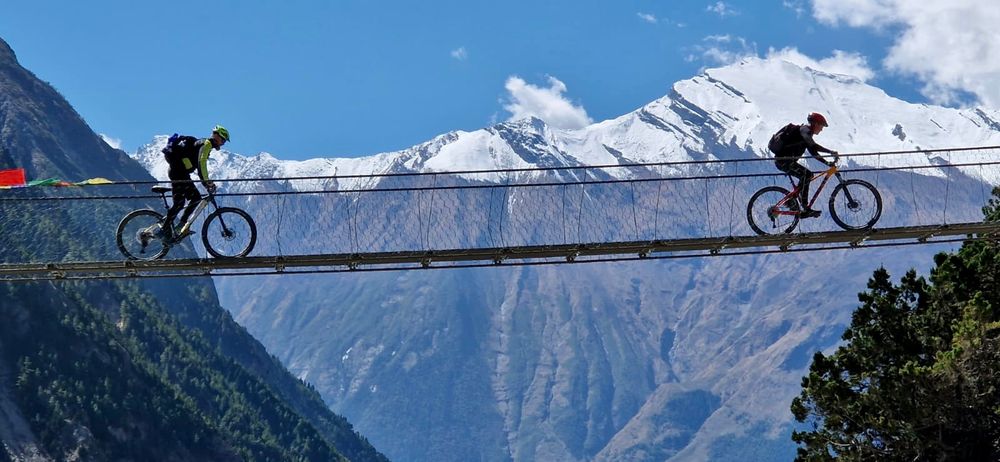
127	370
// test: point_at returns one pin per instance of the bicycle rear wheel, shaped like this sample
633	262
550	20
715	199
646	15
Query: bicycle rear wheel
855	204
229	233
137	236
761	212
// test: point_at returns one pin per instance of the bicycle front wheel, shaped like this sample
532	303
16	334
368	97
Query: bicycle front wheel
855	204
765	217
229	233
137	236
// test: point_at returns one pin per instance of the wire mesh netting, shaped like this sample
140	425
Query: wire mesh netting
498	209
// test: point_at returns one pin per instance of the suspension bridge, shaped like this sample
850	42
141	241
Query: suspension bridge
534	215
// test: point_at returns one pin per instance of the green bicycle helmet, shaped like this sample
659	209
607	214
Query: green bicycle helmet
222	132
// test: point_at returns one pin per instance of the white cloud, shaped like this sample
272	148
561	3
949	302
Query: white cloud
722	50
113	142
798	6
841	62
548	104
460	54
856	13
952	46
722	9
647	17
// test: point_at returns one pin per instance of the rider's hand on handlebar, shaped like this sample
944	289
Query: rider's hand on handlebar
836	158
210	186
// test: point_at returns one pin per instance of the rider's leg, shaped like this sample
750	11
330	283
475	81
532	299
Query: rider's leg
180	183
194	197
804	175
796	170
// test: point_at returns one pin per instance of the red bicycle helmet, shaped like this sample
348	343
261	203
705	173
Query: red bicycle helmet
817	118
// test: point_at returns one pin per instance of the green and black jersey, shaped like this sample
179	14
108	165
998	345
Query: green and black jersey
192	157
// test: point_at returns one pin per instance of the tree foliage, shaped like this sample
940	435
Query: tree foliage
918	374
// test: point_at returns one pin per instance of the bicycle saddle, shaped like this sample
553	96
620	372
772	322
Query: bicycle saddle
161	189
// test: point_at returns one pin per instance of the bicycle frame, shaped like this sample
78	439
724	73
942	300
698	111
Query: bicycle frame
794	193
202	204
196	213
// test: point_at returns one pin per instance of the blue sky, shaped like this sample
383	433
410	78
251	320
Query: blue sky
312	78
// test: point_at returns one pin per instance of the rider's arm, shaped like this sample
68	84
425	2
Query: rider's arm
814	147
206	149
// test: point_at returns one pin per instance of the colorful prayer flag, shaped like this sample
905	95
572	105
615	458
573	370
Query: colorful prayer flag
12	177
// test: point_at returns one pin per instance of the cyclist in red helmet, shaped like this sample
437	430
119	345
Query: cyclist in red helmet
789	144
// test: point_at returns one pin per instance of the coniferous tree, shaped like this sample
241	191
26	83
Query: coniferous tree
918	375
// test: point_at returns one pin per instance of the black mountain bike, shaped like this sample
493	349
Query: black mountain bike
228	232
854	204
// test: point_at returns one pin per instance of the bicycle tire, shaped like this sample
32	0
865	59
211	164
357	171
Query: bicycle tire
753	206
838	214
120	237
243	248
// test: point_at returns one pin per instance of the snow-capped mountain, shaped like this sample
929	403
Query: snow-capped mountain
724	113
680	359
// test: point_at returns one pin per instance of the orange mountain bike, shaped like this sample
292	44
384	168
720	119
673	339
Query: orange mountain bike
854	204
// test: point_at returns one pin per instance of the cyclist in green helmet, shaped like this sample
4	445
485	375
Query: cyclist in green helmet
184	155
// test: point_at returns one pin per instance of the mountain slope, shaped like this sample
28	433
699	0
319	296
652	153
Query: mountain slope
127	370
684	359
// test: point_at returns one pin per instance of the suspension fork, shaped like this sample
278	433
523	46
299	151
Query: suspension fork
847	191
225	229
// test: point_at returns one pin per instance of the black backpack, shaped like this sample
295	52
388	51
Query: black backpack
784	138
179	146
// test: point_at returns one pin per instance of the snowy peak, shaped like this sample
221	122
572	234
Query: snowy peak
758	96
726	112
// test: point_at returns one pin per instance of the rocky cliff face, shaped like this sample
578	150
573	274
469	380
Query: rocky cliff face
682	359
126	370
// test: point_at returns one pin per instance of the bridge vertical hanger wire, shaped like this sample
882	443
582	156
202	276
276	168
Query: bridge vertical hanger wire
353	220
656	212
277	232
913	193
503	208
947	191
982	186
430	213
489	220
635	219
352	231
564	188
878	165
579	217
420	216
732	198
708	212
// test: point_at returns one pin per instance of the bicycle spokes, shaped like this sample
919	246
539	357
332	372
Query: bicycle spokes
855	204
770	213
138	236
229	232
